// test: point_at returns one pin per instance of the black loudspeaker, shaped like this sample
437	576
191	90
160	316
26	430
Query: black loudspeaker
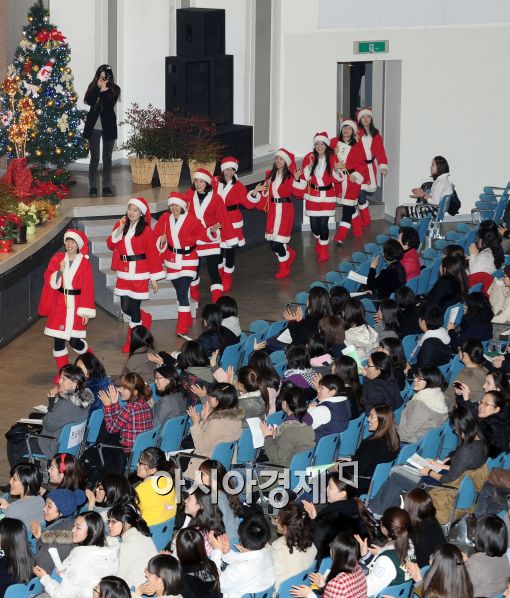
200	32
201	87
238	142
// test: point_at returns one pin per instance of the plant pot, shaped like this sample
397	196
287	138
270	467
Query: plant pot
194	165
30	229
22	235
169	172
142	170
6	245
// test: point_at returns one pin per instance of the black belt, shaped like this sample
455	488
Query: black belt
369	161
323	188
69	291
182	251
350	171
133	258
233	207
281	199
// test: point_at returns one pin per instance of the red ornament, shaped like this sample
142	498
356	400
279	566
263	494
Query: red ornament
27	66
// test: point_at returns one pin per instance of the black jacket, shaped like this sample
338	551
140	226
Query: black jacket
369	454
479	327
5	577
102	105
380	391
198	582
303	330
445	292
426	539
408	321
496	431
387	282
433	352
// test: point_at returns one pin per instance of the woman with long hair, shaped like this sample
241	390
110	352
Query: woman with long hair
337	297
391	278
201	576
476	321
209	207
486	253
380	386
274	196
164	578
301	326
261	361
101	123
155	493
346	368
494	422
299	370
213	337
204	515
136	261
351	168
65	472
452	286
387	319
235	196
95	375
136	544
141	346
408	312
89	561
469	382
393	347
16	558
170	401
112	489
177	232
195	369
253	395
332	330
357	331
67	298
374	154
317	178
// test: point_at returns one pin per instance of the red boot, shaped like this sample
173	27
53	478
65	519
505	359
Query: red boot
357	226
194	292
62	359
283	269
323	253
227	281
216	292
341	234
188	319
317	248
292	255
364	214
146	319
127	345
182	322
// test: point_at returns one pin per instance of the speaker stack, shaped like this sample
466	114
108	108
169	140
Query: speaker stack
200	79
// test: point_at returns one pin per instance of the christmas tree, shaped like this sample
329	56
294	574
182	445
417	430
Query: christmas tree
39	119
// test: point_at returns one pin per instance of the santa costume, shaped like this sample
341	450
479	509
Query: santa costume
234	195
67	299
318	183
375	159
136	261
176	240
210	209
276	201
352	175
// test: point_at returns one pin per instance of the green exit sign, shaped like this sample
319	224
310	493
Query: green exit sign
377	47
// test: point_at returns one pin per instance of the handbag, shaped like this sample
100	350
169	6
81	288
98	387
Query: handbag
19	431
500	478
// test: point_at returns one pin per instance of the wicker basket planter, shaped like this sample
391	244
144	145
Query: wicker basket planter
194	165
169	172
142	170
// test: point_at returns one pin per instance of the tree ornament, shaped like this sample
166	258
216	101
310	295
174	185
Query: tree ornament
45	72
7	118
38	152
35	68
58	151
51	102
63	123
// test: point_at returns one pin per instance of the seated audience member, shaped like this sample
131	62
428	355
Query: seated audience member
295	434
195	368
452	285
294	551
333	412
114	488
386	318
95	375
488	567
393	348
214	336
346	369
471	377
112	587
155	506
253	395
409	239
427	409
16	560
220	421
333	331
263	364
136	544
434	346
486	253
320	359
299	371
69	403
499	295
59	513
142	345
345	578
470	454
494	423
169	400
391	278
203	514
426	532
380	386
408	312
302	327
337	297
200	574
163	578
475	323
251	570
229	318
343	511
24	487
65	472
357	332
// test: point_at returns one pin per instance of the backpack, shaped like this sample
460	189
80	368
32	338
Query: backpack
454	205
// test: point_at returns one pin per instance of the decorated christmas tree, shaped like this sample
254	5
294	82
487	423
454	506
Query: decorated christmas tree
39	119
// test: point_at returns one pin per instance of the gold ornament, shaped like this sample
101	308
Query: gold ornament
30	18
51	102
38	153
70	134
58	151
33	135
68	70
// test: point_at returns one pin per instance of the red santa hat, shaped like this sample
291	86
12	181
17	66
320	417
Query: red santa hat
203	175
322	136
349	123
363	111
80	239
287	157
229	162
143	206
178	199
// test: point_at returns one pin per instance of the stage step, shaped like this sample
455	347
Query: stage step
161	306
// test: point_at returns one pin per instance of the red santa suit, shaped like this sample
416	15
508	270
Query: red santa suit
68	297
277	203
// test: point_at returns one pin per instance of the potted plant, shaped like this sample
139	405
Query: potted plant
8	233
140	144
203	150
28	215
170	141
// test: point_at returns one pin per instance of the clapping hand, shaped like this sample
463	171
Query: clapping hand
414	570
35	528
194	415
230	374
155	358
473	249
3	504
375	261
310	508
110	396
261	345
297	173
54	391
214	358
267	430
200	391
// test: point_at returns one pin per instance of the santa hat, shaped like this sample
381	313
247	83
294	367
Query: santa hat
349	123
143	206
203	175
229	162
80	239
178	199
362	112
322	136
287	157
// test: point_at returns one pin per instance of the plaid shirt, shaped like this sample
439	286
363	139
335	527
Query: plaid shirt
132	419
347	585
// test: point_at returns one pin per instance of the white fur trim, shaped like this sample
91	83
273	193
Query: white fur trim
135	276
301	184
322	138
134	324
161	244
53	280
129	293
320	212
82	351
383	167
284	258
139	204
253	198
228	270
60	353
216	287
284	156
177	201
215	237
358	176
234	165
117	234
365	111
195	282
277	238
202	176
184	308
180	274
349	123
157	276
86	311
75	237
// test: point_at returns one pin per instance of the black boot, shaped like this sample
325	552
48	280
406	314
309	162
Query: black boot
92	192
107	192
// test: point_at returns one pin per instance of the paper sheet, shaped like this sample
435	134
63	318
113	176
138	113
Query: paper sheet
28	420
256	432
419	462
350	351
41	408
453	315
285	337
55	557
357	277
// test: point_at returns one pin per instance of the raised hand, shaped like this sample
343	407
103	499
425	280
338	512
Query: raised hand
309	507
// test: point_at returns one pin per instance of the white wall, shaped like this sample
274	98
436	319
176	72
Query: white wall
453	78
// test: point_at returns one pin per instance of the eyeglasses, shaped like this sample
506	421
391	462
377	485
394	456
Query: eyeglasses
371	366
486	404
142	464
